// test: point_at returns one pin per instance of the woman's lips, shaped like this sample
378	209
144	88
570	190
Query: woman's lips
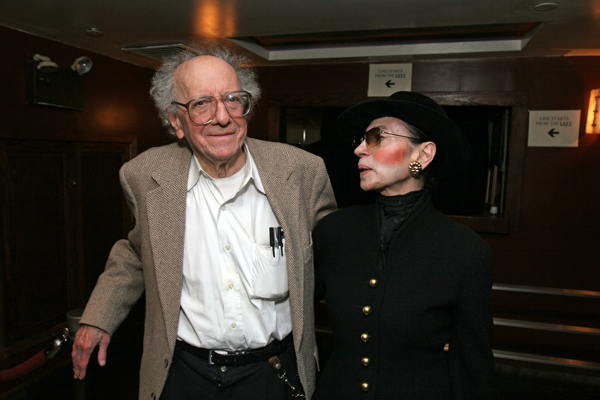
362	169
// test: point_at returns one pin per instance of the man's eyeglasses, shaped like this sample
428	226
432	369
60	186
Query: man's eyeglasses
373	137
203	110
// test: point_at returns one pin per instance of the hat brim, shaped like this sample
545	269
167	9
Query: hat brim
453	148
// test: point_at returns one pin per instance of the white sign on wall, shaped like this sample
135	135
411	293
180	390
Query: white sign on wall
554	128
386	79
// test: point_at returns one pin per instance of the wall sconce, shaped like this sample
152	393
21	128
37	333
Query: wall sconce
82	65
44	64
593	118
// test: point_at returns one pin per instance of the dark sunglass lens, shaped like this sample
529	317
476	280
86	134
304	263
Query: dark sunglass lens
373	137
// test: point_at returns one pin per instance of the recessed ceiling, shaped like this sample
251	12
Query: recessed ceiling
391	42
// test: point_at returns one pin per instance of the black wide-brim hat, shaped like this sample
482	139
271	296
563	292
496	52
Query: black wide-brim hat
453	148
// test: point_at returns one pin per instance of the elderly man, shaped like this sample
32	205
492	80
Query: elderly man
221	245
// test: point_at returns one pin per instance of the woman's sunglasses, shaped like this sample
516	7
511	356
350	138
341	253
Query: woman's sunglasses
373	137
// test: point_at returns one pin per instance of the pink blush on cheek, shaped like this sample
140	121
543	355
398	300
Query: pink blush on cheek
389	158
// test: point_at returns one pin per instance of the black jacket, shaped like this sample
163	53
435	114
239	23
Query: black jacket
435	290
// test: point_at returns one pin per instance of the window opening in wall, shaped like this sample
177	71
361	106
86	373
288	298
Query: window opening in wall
478	191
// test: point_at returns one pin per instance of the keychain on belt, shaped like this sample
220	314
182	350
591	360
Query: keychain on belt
281	374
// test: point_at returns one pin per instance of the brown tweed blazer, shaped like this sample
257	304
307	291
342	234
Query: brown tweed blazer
151	258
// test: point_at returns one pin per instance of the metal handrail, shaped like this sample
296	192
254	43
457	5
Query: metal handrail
540	359
547	327
534	358
544	290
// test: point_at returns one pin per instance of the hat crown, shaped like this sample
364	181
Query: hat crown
419	99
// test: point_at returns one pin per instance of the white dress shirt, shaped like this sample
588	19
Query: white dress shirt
235	291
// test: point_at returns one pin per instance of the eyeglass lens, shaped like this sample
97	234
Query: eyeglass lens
204	109
373	137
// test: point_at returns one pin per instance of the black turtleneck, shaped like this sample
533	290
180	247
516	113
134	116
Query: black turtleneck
394	211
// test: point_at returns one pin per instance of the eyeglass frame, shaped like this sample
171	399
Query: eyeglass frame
364	137
187	106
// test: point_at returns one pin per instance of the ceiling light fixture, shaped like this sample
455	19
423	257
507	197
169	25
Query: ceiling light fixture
545	7
95	32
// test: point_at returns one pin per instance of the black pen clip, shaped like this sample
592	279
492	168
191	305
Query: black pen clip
272	240
280	241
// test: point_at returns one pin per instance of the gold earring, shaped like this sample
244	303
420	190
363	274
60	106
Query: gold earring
415	169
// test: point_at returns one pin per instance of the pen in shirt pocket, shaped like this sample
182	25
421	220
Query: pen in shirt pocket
273	239
277	239
280	240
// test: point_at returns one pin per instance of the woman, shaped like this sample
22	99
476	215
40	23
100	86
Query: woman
408	290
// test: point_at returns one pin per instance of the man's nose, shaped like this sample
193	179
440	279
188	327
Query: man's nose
222	117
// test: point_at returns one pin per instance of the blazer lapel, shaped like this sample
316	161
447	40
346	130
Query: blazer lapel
166	207
284	197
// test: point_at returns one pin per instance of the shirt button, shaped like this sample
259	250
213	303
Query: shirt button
223	208
231	286
373	282
233	325
227	247
366	361
365	386
365	337
366	310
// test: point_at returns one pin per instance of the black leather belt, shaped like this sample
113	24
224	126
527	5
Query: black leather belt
240	357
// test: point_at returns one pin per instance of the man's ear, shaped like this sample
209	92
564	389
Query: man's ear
427	152
176	124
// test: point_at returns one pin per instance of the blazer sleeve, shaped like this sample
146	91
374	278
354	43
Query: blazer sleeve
319	238
471	360
322	197
121	284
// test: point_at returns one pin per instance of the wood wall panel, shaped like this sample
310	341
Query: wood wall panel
34	278
117	106
61	205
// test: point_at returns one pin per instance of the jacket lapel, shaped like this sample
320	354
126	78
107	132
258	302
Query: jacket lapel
284	197
166	207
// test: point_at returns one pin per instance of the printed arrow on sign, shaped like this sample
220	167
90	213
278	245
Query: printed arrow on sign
389	83
552	132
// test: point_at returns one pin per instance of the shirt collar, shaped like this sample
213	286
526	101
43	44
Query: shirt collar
250	173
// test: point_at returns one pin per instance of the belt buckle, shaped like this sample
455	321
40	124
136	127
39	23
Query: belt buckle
210	356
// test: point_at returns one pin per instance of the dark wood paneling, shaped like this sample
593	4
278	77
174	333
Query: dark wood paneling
33	212
117	106
62	210
61	203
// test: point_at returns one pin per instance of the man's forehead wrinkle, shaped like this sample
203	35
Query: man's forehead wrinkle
191	83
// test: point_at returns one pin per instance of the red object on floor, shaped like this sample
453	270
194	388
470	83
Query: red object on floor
24	368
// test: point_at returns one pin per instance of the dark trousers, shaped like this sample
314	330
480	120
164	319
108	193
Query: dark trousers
191	377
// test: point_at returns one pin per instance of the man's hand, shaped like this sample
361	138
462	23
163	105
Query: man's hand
86	340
